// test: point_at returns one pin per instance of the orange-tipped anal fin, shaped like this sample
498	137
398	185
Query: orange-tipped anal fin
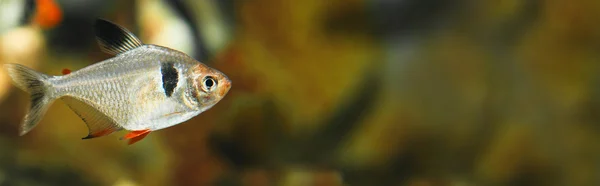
100	133
137	138
65	71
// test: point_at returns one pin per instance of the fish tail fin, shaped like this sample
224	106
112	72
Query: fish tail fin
38	86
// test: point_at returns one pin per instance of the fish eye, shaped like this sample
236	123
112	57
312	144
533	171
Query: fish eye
209	83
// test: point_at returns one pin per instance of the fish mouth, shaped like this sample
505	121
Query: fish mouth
226	86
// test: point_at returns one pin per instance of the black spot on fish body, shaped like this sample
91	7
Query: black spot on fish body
170	77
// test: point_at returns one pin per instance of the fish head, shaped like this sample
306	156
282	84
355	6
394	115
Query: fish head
210	85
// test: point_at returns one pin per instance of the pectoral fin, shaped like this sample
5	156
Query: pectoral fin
98	123
135	136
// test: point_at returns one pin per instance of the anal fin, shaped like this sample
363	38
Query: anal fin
135	136
99	133
98	123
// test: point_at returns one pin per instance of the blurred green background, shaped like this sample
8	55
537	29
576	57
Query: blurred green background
334	92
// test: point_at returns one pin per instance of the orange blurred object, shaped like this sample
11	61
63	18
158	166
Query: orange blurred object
48	14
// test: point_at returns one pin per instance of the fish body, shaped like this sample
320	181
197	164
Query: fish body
142	88
129	88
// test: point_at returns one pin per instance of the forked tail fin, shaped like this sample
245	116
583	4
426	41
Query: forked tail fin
37	85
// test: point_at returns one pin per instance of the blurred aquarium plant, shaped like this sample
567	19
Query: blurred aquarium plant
338	92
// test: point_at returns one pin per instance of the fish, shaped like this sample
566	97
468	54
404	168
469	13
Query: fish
48	14
140	89
45	14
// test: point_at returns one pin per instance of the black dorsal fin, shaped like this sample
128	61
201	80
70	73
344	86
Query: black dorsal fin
114	39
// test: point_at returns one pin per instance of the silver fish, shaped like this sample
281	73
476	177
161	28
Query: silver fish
143	88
